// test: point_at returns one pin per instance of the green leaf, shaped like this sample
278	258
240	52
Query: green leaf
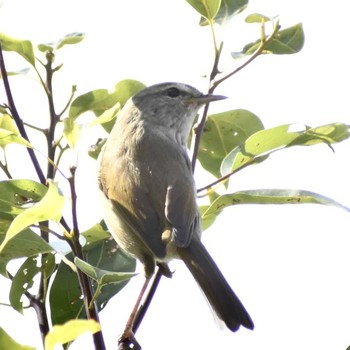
22	47
228	9
7	137
18	195
257	18
124	90
96	233
270	196
286	41
49	208
127	88
265	142
71	131
98	101
107	116
94	150
65	296
208	220
222	133
27	243
70	39
7	123
206	8
101	276
6	342
9	132
23	71
44	47
71	330
22	281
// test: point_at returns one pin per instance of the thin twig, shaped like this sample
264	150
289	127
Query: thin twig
17	118
84	281
214	84
264	41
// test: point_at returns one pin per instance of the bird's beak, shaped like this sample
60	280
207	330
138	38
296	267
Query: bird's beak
203	99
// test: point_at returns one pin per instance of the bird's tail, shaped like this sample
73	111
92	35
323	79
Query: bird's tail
214	285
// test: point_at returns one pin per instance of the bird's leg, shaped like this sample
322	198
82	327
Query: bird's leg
127	339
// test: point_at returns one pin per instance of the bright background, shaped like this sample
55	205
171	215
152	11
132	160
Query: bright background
289	265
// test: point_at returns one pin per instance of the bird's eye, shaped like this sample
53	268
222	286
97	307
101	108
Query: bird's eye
173	92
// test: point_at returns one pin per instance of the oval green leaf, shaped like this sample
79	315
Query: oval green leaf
222	133
206	8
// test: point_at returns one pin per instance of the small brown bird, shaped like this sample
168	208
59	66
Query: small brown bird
148	191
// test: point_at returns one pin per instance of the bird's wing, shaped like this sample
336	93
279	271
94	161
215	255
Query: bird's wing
181	211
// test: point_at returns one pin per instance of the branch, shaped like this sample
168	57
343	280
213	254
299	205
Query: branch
17	118
199	128
84	281
264	41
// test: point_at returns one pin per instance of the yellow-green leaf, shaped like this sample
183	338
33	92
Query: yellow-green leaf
22	47
49	208
6	342
107	115
9	132
71	330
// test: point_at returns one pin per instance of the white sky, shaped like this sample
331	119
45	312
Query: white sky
289	265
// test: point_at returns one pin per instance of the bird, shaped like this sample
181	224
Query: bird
148	192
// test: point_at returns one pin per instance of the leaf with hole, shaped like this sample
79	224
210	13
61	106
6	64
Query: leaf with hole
19	195
65	297
222	133
22	281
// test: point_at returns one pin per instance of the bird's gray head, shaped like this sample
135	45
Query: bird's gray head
171	105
